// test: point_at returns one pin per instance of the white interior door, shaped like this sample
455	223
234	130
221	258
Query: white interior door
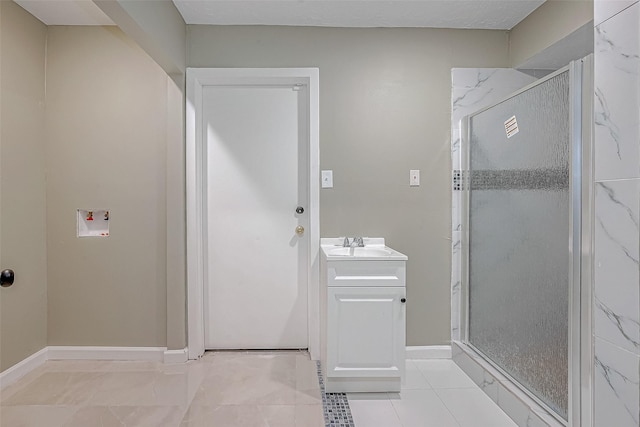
256	273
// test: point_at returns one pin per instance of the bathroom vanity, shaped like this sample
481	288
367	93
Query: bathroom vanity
362	316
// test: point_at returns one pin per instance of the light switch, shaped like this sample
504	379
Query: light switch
327	179
414	178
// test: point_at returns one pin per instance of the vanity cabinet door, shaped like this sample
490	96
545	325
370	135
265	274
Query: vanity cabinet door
366	332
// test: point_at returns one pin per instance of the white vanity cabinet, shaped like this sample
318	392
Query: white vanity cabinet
365	332
363	323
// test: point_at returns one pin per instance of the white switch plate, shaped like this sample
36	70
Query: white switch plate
327	179
414	178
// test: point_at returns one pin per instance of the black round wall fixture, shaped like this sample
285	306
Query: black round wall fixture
7	278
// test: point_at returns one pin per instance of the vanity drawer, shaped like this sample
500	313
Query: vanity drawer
366	273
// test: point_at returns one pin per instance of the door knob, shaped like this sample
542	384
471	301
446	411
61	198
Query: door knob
299	210
6	278
403	300
299	230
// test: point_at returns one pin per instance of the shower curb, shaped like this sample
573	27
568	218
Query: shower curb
521	408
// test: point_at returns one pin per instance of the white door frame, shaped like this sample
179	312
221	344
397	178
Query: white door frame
197	79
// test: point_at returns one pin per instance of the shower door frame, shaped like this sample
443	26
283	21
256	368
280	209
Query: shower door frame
581	223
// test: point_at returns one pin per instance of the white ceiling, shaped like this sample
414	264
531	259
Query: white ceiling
66	12
481	14
492	14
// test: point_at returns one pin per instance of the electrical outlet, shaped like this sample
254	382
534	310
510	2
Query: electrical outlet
414	178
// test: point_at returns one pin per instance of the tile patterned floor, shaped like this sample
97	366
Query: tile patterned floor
224	389
435	393
235	389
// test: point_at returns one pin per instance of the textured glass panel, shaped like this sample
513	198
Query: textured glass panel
519	211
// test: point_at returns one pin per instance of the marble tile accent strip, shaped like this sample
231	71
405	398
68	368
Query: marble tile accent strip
335	406
544	179
459	180
525	179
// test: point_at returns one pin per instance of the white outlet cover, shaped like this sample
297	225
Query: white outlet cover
414	178
327	179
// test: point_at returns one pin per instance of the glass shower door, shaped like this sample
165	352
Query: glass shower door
519	237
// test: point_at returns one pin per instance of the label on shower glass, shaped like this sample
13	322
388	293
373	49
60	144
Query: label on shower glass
511	126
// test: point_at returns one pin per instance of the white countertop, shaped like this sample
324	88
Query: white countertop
374	250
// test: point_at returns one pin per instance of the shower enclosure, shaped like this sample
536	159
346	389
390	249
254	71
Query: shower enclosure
527	166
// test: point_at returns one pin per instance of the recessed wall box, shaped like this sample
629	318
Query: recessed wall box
93	223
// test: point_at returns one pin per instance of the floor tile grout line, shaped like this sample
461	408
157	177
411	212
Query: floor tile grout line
453	416
395	410
436	392
421	373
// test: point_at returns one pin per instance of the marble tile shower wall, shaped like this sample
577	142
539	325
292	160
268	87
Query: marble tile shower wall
471	90
617	211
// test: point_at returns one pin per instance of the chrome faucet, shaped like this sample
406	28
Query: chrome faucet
356	242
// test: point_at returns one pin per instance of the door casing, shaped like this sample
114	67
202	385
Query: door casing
196	178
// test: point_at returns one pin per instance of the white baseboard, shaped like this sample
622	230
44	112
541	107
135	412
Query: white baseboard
20	369
176	356
106	353
429	352
157	354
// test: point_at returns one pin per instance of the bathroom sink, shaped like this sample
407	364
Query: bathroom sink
373	249
360	252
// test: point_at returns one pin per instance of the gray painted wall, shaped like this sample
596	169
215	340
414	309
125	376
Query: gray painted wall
156	26
176	219
385	101
23	306
546	26
114	122
106	126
